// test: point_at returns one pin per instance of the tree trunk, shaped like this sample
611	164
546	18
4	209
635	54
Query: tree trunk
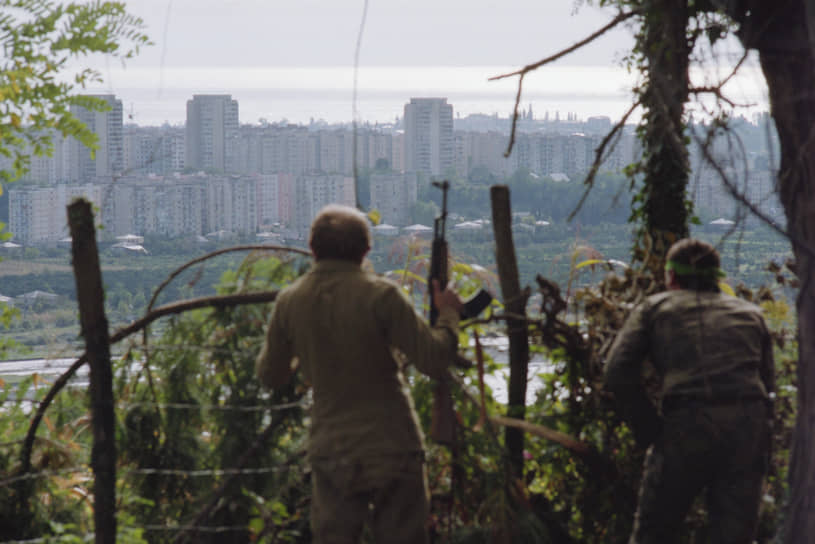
791	80
665	47
780	32
90	296
515	304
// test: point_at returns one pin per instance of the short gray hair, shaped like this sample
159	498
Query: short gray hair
339	232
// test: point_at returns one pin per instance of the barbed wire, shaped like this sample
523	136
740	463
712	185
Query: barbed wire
203	472
192	473
88	537
306	404
195	528
44	474
217	407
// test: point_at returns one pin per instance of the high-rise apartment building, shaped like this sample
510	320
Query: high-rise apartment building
153	150
108	158
212	134
231	205
53	169
37	215
394	194
268	198
312	192
429	141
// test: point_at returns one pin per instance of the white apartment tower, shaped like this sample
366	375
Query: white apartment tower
429	141
37	215
108	159
394	194
212	133
312	192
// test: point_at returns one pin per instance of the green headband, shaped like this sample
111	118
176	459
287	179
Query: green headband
682	269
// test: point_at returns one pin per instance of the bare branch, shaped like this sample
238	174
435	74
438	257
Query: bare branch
570	443
736	68
185	266
28	443
515	117
717	92
741	197
598	157
531	67
250	247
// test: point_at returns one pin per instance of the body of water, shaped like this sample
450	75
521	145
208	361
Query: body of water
51	369
300	95
152	97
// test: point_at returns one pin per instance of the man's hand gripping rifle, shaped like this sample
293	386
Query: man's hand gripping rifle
443	421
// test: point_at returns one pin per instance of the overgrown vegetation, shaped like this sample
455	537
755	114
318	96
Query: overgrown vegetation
190	409
204	452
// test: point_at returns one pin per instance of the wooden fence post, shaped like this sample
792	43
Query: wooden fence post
90	296
514	304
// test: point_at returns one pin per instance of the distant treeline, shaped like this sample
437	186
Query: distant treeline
132	282
544	198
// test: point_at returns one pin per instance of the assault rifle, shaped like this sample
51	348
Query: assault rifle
443	420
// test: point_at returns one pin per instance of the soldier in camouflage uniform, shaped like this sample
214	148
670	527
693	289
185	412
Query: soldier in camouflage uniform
342	324
711	430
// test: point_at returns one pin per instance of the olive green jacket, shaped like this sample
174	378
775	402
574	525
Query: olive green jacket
342	324
703	345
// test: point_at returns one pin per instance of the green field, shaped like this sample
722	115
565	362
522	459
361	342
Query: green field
554	251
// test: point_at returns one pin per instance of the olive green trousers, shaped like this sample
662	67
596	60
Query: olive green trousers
721	449
388	493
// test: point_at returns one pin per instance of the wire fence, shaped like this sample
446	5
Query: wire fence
89	537
82	475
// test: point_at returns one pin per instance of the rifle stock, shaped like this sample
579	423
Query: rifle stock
443	415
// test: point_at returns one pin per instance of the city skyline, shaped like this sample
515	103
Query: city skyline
214	174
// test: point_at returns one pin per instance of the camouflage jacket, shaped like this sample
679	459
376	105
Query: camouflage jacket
343	325
703	345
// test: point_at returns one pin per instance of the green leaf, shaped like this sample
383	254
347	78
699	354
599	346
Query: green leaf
256	525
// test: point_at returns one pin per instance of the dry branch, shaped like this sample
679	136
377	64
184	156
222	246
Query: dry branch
598	157
568	442
534	66
252	247
738	195
530	67
175	273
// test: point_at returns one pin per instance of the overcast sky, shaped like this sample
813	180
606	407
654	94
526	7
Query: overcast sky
303	49
197	33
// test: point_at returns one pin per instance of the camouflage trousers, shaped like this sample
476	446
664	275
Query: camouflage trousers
722	449
388	493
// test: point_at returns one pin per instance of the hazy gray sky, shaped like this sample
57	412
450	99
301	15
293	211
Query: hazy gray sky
197	33
291	58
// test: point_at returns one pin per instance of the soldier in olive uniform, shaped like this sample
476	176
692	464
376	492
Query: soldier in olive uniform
341	325
713	354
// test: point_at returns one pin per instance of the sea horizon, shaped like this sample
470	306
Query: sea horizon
304	94
300	95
